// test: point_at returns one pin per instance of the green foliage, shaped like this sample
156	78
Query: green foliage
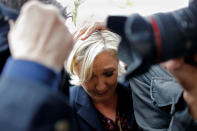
122	3
77	3
129	3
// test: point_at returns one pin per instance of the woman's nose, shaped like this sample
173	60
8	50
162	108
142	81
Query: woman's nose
100	86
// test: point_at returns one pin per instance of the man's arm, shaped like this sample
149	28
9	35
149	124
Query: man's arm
39	45
187	76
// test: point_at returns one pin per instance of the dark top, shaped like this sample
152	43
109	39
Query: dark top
31	71
28	100
86	115
121	123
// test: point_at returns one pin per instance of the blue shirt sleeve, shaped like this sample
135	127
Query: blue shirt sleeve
31	71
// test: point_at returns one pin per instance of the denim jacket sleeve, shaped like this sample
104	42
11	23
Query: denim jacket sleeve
182	120
155	94
158	102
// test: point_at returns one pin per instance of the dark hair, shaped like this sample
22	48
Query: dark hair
17	4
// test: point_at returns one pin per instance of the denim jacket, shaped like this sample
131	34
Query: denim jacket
157	99
155	95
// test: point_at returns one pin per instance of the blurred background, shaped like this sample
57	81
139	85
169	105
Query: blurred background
82	10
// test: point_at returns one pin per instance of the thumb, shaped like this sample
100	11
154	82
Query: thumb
11	23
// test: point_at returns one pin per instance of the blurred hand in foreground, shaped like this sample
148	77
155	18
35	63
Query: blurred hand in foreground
40	35
186	74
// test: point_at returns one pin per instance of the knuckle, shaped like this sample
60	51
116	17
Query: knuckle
53	15
30	6
52	10
188	98
96	24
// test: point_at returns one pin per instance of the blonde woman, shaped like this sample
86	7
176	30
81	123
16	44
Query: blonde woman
98	100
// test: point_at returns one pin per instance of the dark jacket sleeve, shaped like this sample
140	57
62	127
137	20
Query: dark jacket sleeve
27	106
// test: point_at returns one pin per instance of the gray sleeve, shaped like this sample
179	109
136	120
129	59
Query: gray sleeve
155	94
182	120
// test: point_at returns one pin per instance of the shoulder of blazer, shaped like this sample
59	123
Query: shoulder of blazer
78	96
73	91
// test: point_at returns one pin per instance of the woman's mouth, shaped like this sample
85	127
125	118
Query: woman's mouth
101	93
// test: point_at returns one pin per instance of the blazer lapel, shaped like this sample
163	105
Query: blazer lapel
87	110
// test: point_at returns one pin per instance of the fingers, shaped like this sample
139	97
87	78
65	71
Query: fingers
187	97
186	75
89	32
89	29
11	23
41	26
96	26
81	32
34	7
190	98
173	64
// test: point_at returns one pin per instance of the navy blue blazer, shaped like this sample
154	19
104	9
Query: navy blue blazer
30	106
86	116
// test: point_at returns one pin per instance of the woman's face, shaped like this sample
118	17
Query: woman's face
102	85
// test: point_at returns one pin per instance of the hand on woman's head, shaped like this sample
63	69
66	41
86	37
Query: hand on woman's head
87	30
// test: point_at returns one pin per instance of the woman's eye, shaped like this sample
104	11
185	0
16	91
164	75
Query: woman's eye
108	74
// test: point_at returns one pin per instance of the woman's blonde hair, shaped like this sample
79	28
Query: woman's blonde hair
85	51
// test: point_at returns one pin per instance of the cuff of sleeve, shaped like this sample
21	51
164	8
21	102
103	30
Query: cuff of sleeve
182	114
28	70
116	24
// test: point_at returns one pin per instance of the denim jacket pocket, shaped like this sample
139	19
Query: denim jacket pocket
165	92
